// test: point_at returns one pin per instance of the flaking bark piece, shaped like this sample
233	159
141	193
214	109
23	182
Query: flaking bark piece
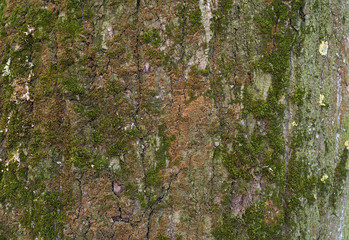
117	187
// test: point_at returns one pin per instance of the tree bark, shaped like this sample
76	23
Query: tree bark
193	119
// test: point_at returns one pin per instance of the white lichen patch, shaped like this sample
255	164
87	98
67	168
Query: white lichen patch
207	225
262	83
15	159
177	217
6	71
21	90
114	163
107	34
206	15
201	59
30	30
21	86
8	122
25	96
323	48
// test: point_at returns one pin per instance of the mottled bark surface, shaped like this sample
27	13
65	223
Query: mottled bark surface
159	119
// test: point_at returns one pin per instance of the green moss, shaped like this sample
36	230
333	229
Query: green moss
192	97
17	17
81	157
316	4
153	178
12	184
131	190
97	137
99	163
90	112
340	175
117	148
179	237
71	26
42	20
161	154
17	125
41	210
152	37
155	55
297	97
222	17
72	86
162	237
262	148
252	224
44	218
302	183
195	17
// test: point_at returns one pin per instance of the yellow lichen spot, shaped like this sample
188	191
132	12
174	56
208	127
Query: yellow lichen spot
315	197
294	124
323	178
321	100
347	144
323	48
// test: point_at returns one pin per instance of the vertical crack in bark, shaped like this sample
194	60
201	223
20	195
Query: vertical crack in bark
138	105
172	92
164	193
59	198
182	47
137	59
82	14
139	73
80	199
184	20
217	103
340	79
148	223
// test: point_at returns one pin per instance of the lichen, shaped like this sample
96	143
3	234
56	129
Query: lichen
323	48
6	71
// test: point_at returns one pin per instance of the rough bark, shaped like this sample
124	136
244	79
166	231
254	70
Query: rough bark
165	119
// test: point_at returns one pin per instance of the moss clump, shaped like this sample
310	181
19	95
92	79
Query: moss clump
195	17
253	224
151	37
161	154
81	157
261	148
17	126
302	183
340	175
117	148
90	112
44	218
41	209
71	26
162	237
72	86
297	97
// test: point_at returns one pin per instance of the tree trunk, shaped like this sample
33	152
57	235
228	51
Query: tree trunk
191	119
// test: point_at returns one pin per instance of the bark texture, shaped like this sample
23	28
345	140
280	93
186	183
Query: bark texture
166	119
